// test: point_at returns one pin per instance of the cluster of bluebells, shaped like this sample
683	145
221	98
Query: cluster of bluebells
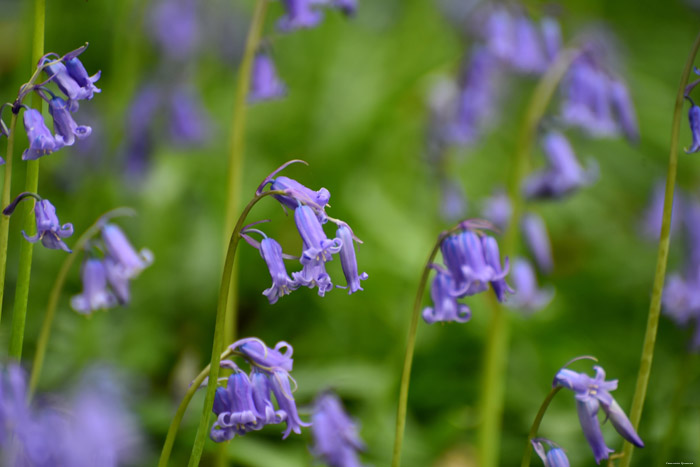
472	263
592	394
554	456
93	428
336	441
245	404
309	216
74	83
106	280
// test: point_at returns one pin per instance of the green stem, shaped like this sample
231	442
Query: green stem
495	355
219	330
410	348
175	423
6	193
55	293
661	260
234	174
536	425
19	313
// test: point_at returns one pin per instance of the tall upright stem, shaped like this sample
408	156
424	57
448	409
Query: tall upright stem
495	356
234	174
19	313
6	193
661	261
408	358
218	345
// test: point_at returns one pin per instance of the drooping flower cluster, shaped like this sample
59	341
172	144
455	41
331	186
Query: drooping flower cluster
593	394
106	279
48	229
318	249
245	403
472	262
71	78
336	441
93	428
554	456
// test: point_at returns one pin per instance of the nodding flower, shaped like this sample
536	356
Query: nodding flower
445	305
336	440
48	229
95	294
41	140
694	120
554	457
63	123
299	14
591	395
348	260
265	84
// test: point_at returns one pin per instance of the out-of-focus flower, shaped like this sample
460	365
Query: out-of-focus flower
528	296
623	107
348	260
445	305
48	229
453	205
493	259
63	124
551	37
95	294
694	120
592	394
41	140
537	240
653	216
139	128
265	84
555	457
175	27
245	403
564	174
189	122
348	7
497	209
128	261
528	56
299	14
336	440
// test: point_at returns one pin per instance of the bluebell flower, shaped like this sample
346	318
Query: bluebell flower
499	33
528	296
591	395
72	79
255	351
175	28
554	457
41	140
348	7
95	294
271	251
529	55
318	249
279	383
189	121
63	123
129	262
139	128
694	120
261	399
77	71
234	408
681	302
118	280
551	37
445	305
299	193
265	84
497	209
463	255
48	229
624	108
336	440
537	241
348	261
564	174
493	259
299	14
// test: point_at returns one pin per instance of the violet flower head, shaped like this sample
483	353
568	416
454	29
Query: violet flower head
299	193
234	408
318	249
271	251
499	33
129	262
336	440
72	79
257	353
279	383
591	395
265	83
175	28
348	260
463	255
529	55
493	259
528	296
259	380
537	240
48	229
41	140
554	457
624	109
694	120
77	71
189	121
118	280
95	294
63	124
497	209
299	14
551	37
445	305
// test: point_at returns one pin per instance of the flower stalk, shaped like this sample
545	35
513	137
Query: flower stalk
661	262
493	383
234	174
19	313
536	425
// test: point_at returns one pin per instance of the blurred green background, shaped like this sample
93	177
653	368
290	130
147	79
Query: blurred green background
356	111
